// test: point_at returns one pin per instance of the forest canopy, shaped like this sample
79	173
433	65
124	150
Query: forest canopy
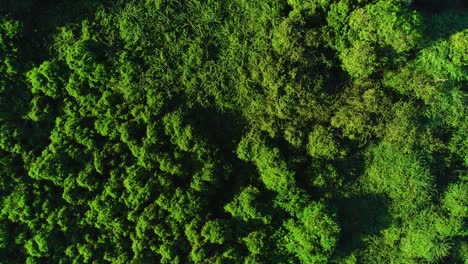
242	131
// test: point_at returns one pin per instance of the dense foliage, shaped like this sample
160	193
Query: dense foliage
241	131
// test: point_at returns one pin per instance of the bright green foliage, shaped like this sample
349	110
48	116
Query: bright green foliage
216	232
456	199
387	23
313	236
401	176
321	144
359	60
246	206
362	111
367	31
273	170
181	136
243	131
255	242
46	79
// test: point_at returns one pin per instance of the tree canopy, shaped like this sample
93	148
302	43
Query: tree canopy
242	131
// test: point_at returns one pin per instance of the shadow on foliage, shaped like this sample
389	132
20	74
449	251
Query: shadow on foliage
360	216
351	167
42	18
219	128
446	170
432	7
224	130
442	18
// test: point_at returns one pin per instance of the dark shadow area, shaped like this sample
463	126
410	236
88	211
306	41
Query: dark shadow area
286	10
446	170
442	25
234	176
39	23
352	166
437	6
441	18
359	216
13	252
42	18
222	129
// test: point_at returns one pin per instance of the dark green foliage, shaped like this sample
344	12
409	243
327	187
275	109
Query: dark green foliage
261	131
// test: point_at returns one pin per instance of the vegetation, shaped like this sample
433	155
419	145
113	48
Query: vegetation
242	131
